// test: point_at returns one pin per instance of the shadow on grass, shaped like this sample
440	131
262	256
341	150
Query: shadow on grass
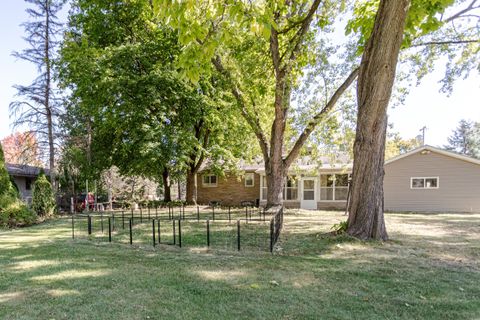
47	275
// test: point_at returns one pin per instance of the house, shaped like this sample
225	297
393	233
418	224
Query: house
24	176
424	179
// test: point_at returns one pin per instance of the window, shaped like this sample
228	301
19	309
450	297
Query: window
263	184
209	180
249	179
424	183
334	187
290	189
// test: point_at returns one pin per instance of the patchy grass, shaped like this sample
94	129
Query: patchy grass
429	270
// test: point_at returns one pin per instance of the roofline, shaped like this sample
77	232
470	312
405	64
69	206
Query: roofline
437	150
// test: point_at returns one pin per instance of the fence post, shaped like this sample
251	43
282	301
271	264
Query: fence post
131	235
208	232
271	235
123	220
158	226
229	216
238	235
141	215
213	212
73	227
198	213
179	233
113	221
109	230
89	223
132	215
246	214
153	233
174	233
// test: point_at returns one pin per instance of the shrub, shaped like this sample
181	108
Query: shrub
340	228
43	200
14	213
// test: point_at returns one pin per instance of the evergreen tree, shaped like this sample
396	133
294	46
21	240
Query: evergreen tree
465	139
43	201
38	107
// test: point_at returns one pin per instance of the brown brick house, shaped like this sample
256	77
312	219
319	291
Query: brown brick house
423	179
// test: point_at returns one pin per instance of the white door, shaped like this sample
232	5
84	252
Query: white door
308	193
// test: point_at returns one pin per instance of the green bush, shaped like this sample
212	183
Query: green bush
14	213
43	200
340	228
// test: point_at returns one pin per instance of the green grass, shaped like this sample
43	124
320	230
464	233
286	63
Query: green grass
429	270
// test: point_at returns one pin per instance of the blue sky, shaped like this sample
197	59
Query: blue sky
425	105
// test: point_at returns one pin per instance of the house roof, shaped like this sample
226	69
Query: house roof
437	150
22	170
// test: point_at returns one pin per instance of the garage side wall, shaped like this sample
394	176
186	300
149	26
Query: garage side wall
459	184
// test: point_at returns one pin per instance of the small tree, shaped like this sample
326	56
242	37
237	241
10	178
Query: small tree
43	202
5	183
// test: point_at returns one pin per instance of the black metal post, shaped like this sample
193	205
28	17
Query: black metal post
208	232
153	233
198	214
141	215
123	220
89	223
132	215
246	213
238	235
213	212
174	233
229	217
131	235
158	226
271	235
73	227
109	230
179	233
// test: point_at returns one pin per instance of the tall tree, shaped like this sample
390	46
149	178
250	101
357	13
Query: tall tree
39	108
374	88
261	49
465	139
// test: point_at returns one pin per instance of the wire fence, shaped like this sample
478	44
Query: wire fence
225	228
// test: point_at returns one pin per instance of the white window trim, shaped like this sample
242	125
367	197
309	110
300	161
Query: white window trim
424	186
333	187
209	185
253	179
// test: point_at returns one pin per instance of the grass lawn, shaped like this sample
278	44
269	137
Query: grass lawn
429	270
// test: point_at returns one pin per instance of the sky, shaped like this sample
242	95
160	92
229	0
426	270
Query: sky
424	106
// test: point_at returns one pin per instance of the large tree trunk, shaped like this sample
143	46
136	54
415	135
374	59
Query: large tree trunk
191	197
374	88
167	197
48	108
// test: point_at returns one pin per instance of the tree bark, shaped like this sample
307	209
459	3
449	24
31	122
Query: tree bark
191	196
48	108
374	88
167	197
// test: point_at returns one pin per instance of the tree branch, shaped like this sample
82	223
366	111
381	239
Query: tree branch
432	43
254	122
318	117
